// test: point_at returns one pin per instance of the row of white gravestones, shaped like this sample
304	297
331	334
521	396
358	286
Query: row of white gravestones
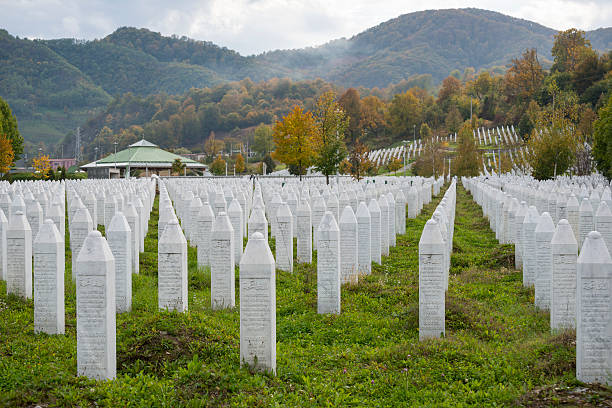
576	289
257	278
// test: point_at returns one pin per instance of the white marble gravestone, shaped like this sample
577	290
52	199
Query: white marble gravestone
392	215
95	309
413	202
431	282
571	209
594	312
364	236
543	235
348	246
603	223
19	256
82	225
529	246
110	207
172	269
328	266
3	256
258	222
234	211
518	234
384	225
133	220
304	232
35	215
258	305
585	220
206	219
374	210
400	212
222	270
119	237
284	238
318	211
49	265
563	283
56	214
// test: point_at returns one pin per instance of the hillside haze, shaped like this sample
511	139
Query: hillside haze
54	85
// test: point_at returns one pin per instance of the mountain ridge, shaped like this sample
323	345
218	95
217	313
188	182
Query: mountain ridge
53	85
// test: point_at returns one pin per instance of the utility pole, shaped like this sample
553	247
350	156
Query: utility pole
77	147
470	109
413	133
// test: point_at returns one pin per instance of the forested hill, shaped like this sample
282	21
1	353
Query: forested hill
53	85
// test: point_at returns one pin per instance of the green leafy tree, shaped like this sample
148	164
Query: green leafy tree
270	165
8	127
331	122
552	151
178	167
263	142
468	159
602	138
453	120
404	113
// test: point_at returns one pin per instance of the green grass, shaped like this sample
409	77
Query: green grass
497	348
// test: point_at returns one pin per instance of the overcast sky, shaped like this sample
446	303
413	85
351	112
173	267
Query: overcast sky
254	26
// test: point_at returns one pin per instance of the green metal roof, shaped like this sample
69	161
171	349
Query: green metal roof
144	152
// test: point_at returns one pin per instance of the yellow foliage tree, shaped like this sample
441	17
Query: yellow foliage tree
6	154
217	167
293	137
41	166
239	165
394	165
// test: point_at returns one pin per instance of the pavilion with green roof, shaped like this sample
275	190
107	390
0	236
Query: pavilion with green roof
143	156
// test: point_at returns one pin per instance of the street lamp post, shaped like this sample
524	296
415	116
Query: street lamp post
96	154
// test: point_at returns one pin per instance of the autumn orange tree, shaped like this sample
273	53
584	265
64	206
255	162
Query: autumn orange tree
523	80
294	137
239	165
568	49
6	154
41	166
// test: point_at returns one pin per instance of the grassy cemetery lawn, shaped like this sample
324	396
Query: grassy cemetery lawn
498	350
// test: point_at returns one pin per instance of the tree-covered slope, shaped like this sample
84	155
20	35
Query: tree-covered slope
52	85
